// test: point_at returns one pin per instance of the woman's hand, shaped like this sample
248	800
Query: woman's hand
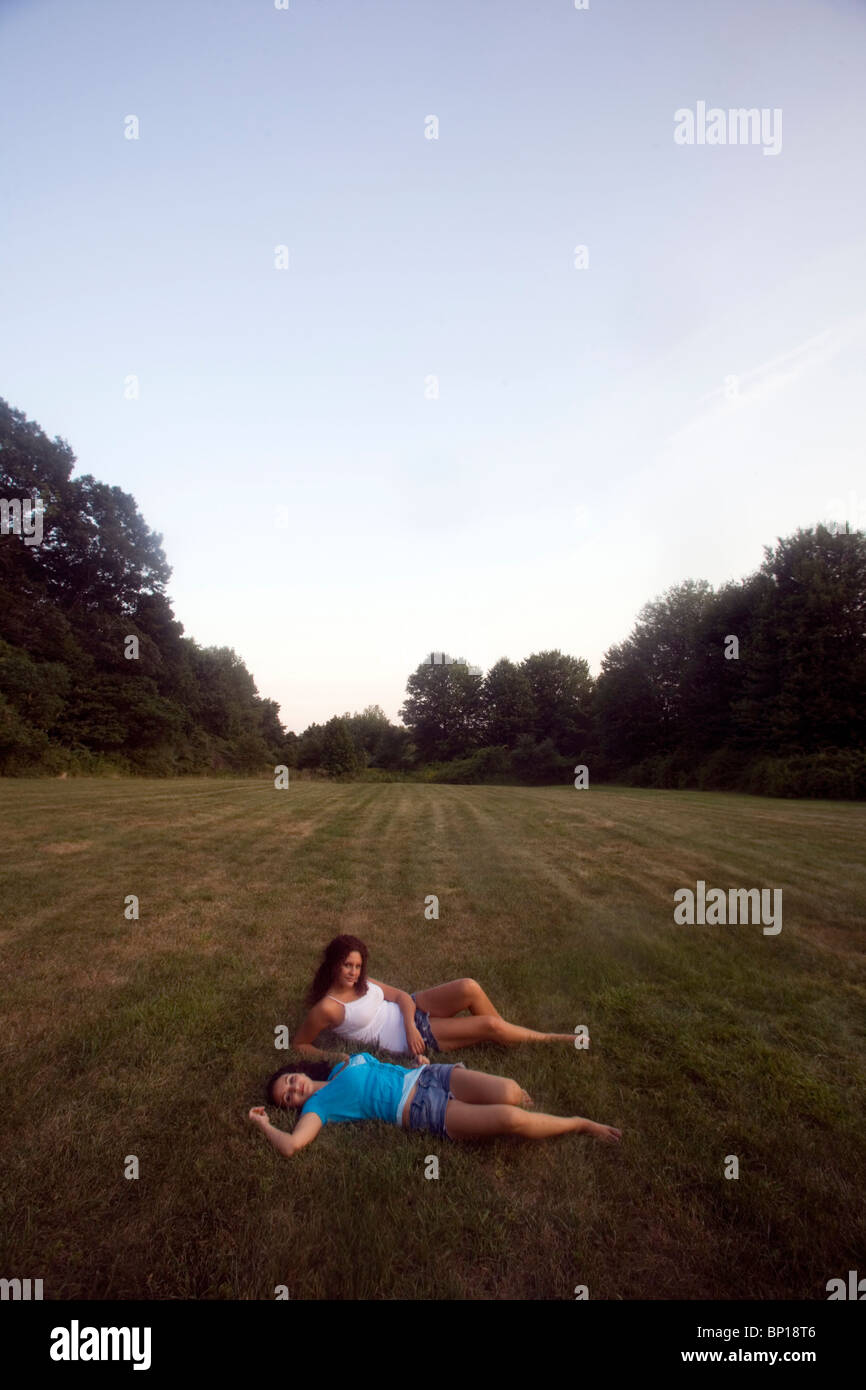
259	1117
417	1046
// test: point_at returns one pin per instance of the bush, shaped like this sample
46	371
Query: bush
832	774
339	758
22	748
540	763
723	770
482	765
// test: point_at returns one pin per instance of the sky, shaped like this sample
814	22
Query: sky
306	282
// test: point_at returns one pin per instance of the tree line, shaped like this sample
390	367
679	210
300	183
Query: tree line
73	697
758	685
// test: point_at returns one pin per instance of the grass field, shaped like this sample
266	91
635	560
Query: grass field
153	1037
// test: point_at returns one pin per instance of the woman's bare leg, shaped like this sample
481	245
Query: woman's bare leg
480	1088
444	1001
464	1121
451	1033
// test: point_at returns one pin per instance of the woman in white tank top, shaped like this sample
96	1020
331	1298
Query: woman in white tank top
372	1019
345	1000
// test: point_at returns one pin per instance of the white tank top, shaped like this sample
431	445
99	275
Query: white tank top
372	1019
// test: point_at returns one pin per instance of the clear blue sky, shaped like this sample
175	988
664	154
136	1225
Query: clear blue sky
322	516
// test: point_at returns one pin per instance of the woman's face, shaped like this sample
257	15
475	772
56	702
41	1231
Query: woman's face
349	972
292	1089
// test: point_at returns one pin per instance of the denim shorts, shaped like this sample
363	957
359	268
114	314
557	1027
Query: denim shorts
422	1023
433	1093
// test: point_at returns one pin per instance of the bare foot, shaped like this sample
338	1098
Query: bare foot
606	1133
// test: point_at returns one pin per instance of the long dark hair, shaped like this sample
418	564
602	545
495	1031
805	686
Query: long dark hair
333	956
316	1071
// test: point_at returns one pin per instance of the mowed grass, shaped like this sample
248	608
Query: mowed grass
152	1038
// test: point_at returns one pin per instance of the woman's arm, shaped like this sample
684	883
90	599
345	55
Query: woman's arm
303	1133
326	1014
407	1009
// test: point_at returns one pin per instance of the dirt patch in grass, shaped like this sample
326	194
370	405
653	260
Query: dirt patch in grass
301	828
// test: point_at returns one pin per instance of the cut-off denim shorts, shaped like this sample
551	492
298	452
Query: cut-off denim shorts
433	1093
422	1023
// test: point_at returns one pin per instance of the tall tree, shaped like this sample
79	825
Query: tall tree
68	605
509	711
561	689
368	730
339	758
805	683
444	710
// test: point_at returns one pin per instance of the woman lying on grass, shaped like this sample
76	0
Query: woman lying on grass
343	999
444	1100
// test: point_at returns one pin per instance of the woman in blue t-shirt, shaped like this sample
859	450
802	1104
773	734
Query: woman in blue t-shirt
345	1000
445	1100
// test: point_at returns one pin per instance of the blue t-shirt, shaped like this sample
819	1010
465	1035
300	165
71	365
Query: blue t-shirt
362	1089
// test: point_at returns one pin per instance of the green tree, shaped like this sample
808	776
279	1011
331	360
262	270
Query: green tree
509	711
67	606
36	689
311	746
338	751
643	701
804	686
561	688
444	710
367	730
627	715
